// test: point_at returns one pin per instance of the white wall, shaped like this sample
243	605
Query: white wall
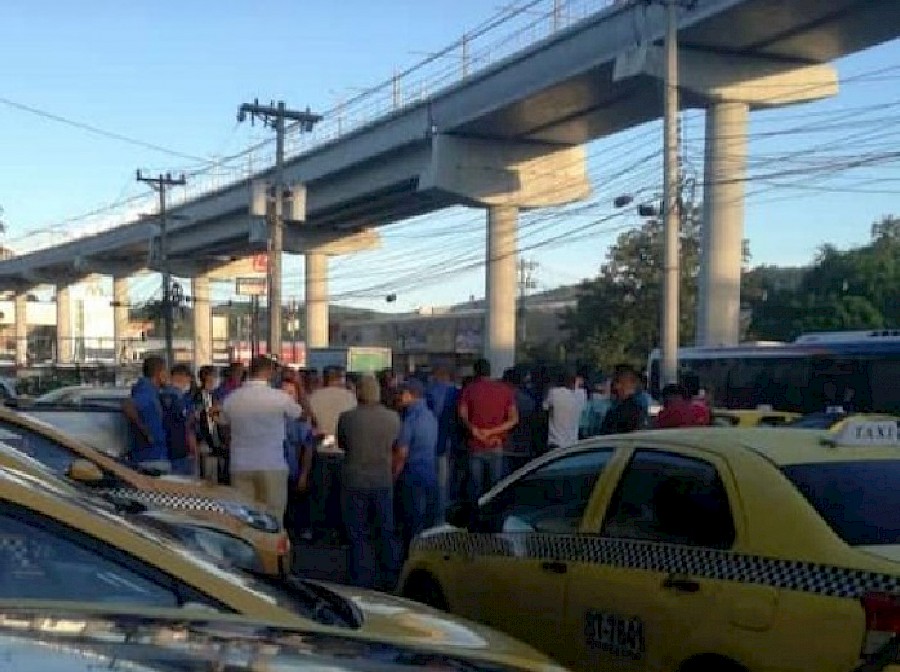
37	313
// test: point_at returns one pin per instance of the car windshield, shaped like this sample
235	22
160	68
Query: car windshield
860	500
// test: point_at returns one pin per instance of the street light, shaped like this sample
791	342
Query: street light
621	201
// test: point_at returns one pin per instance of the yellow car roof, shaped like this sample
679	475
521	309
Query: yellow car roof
782	446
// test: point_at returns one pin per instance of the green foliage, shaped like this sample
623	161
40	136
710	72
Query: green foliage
616	319
854	289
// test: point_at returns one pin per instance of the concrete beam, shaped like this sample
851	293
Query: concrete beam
21	328
84	266
500	286
316	280
724	173
336	244
496	173
202	311
758	82
100	245
64	342
120	317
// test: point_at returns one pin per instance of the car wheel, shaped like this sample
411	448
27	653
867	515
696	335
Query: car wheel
423	588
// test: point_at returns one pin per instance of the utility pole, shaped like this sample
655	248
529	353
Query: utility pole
527	282
274	116
160	184
671	187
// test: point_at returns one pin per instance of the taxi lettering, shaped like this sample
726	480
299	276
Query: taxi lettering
867	433
619	635
876	433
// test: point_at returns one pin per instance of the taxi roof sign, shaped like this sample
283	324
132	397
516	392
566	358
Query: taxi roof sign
866	433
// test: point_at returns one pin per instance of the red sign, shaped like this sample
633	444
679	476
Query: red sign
291	352
260	263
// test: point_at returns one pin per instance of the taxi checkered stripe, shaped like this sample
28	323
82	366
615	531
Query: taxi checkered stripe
706	563
169	500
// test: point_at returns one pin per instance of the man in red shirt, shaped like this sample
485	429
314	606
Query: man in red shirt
677	410
487	409
701	410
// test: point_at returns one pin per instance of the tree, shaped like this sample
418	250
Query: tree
617	315
853	289
887	228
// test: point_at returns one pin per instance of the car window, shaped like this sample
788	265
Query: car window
551	498
671	499
860	500
48	452
37	562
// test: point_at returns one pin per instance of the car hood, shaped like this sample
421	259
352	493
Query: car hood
45	642
399	619
87	639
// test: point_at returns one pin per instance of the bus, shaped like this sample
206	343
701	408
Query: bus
857	370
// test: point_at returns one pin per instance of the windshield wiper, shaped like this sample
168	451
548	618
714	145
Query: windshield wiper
322	605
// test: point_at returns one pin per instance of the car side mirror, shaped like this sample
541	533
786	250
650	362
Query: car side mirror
86	472
462	515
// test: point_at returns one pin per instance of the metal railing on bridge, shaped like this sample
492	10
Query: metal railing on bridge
510	30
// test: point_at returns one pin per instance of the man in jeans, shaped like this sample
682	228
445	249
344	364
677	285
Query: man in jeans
442	397
487	409
254	415
368	435
147	441
416	465
178	418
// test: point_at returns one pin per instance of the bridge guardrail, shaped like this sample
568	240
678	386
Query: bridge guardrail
514	28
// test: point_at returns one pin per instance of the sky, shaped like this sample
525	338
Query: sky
173	74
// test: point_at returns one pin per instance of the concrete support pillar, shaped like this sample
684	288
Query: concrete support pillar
316	300
203	339
719	305
500	286
65	346
120	317
21	328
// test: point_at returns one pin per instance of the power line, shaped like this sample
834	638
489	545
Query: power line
96	130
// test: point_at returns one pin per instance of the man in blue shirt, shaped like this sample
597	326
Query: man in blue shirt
416	463
442	397
147	444
178	415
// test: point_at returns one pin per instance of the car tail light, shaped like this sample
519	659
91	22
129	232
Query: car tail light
882	620
283	545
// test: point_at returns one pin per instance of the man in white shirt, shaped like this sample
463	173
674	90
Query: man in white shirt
255	415
328	402
565	404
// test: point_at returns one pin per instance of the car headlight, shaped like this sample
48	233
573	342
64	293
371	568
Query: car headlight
222	546
260	520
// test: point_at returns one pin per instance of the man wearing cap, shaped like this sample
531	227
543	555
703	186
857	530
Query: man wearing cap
368	436
416	465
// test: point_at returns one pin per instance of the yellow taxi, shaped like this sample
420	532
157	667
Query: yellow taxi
757	417
687	550
224	506
61	553
82	639
212	537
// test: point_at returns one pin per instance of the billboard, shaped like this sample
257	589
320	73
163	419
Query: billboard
250	286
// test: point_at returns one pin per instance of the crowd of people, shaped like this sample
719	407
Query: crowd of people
407	448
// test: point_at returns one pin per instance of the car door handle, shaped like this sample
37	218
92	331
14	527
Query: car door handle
555	567
681	584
